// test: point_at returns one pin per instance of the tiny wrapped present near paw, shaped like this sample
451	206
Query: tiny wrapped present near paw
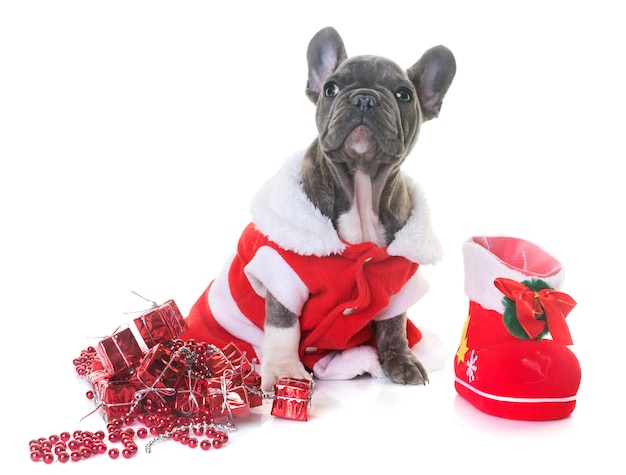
161	323
292	398
160	371
119	351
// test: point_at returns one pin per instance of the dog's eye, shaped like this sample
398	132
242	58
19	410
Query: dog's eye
331	89
403	95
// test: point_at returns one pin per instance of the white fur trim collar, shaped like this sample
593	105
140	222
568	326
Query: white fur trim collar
282	211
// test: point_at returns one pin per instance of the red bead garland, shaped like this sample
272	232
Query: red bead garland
84	444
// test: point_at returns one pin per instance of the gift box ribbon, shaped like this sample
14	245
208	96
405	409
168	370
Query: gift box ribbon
191	405
161	392
229	395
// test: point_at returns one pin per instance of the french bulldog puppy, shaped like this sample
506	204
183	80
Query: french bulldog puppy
329	264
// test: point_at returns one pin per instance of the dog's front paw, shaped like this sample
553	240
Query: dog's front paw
273	371
403	368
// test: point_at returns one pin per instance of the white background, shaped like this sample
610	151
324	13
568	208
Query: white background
134	134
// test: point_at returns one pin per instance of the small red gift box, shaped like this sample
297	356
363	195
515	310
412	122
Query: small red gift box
226	399
191	395
292	398
115	398
160	370
119	351
227	358
161	324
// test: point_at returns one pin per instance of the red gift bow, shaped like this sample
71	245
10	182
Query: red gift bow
529	303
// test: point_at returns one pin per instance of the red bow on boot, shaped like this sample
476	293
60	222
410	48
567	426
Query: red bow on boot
539	310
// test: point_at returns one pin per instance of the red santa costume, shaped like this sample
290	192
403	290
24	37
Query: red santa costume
335	288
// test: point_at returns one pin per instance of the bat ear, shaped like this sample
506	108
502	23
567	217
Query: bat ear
324	54
432	76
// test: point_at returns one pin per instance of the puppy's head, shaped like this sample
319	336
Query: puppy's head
369	110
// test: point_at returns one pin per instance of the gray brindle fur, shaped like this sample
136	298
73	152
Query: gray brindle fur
368	114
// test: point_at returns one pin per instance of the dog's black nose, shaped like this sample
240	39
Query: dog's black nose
364	101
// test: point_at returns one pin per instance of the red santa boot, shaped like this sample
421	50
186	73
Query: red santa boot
505	365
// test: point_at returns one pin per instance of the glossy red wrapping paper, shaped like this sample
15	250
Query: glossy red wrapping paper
226	399
191	395
227	358
161	323
292	399
119	351
160	370
115	398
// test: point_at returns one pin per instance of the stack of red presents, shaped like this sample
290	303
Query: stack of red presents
191	378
